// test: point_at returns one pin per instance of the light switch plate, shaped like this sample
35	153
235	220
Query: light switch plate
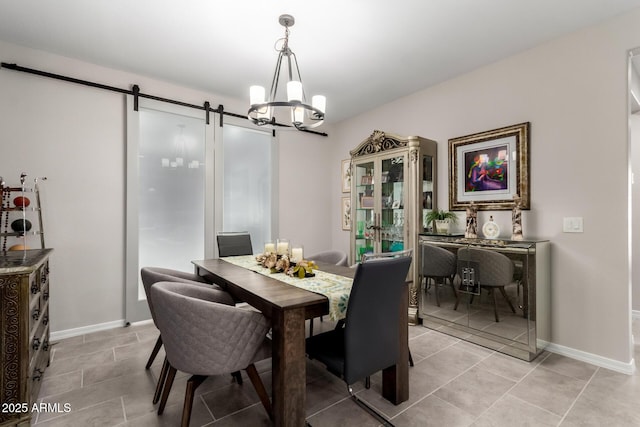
572	225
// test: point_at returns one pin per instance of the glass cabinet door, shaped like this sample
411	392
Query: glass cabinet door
428	194
364	213
392	219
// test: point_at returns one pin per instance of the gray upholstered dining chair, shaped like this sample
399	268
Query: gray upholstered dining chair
203	336
492	271
153	275
438	267
232	243
369	340
330	256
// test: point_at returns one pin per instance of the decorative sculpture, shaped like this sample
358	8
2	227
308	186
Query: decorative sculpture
471	231
516	218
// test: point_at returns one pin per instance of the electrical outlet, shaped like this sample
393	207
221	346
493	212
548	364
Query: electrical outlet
572	225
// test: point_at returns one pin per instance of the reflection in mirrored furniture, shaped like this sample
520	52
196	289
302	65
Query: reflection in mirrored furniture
523	334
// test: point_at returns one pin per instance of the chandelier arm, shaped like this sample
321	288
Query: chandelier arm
276	77
295	60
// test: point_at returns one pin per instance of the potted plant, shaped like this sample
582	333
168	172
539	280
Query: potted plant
441	220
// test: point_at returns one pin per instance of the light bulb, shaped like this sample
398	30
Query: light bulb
294	91
319	102
256	95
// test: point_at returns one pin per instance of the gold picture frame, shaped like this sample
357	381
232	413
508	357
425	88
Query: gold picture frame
490	168
346	213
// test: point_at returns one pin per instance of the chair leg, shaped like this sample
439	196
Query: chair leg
367	382
161	380
237	376
504	294
310	327
369	409
171	375
495	304
154	352
192	385
259	386
435	290
410	359
453	286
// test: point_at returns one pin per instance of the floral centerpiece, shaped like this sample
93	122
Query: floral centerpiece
282	263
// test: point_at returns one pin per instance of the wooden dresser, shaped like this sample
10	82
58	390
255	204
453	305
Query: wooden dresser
24	332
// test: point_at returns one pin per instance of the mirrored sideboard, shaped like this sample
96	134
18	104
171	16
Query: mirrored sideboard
481	314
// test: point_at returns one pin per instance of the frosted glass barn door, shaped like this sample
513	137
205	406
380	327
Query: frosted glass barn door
246	176
168	210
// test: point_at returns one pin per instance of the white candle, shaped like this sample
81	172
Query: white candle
269	248
282	247
296	254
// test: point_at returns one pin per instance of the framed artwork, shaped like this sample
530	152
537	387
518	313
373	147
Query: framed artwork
346	213
346	176
490	168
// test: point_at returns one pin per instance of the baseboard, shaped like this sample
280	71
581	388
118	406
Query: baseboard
68	333
603	362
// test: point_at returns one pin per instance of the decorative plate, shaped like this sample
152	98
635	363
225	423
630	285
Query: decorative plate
490	229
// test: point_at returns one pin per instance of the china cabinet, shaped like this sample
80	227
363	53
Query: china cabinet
24	332
393	187
473	311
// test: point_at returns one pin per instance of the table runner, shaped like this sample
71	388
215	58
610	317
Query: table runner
336	288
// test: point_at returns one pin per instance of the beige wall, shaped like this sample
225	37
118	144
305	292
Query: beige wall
75	136
574	92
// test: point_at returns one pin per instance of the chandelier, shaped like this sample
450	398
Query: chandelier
303	115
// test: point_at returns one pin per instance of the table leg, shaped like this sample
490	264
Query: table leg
395	379
289	368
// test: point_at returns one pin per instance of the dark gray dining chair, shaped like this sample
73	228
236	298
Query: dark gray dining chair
152	275
204	336
332	256
368	343
376	256
232	243
438	267
491	271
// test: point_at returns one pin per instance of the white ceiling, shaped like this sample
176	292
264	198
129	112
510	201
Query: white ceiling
359	53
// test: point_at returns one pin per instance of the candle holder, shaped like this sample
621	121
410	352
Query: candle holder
297	253
269	247
282	247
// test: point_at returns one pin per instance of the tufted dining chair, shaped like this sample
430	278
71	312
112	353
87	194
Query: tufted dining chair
152	275
492	271
204	336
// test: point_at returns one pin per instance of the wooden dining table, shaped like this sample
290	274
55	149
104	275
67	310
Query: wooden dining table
288	307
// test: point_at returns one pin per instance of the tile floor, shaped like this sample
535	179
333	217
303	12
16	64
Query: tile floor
454	383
